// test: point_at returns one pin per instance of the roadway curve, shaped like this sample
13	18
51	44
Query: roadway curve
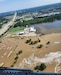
5	27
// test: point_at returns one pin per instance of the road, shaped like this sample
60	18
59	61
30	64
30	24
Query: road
5	27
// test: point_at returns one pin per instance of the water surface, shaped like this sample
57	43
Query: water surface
47	28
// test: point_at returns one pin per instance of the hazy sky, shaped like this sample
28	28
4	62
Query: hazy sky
9	5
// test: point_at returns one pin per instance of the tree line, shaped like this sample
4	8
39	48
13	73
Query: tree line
39	20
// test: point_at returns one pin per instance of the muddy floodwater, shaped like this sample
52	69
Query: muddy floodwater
47	28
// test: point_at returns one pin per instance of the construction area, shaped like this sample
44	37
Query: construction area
50	53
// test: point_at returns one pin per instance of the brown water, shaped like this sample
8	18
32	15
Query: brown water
47	28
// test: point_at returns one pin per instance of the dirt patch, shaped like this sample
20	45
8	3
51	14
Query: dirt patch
10	46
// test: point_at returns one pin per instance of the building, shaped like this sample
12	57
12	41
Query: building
21	33
27	30
32	29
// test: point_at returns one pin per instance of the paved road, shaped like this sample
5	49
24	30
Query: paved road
7	26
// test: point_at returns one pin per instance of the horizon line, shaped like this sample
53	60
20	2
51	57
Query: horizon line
26	8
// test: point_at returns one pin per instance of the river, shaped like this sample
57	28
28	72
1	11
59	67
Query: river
47	28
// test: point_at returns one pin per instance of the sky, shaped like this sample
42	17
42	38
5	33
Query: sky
10	5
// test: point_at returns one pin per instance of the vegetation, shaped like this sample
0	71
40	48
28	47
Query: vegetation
19	52
0	41
12	65
3	21
38	40
14	61
1	25
42	34
28	41
48	42
20	26
5	32
16	58
39	20
40	46
32	42
40	67
16	29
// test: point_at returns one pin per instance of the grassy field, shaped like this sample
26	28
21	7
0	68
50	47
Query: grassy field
16	29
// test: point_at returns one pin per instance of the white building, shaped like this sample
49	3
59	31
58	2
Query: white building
32	29
21	33
27	31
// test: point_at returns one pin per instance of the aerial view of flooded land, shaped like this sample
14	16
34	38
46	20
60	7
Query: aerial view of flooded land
31	39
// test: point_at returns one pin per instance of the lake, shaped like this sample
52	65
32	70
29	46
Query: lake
47	28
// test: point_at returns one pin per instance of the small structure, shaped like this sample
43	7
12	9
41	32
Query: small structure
32	29
21	33
47	46
28	31
56	42
33	47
